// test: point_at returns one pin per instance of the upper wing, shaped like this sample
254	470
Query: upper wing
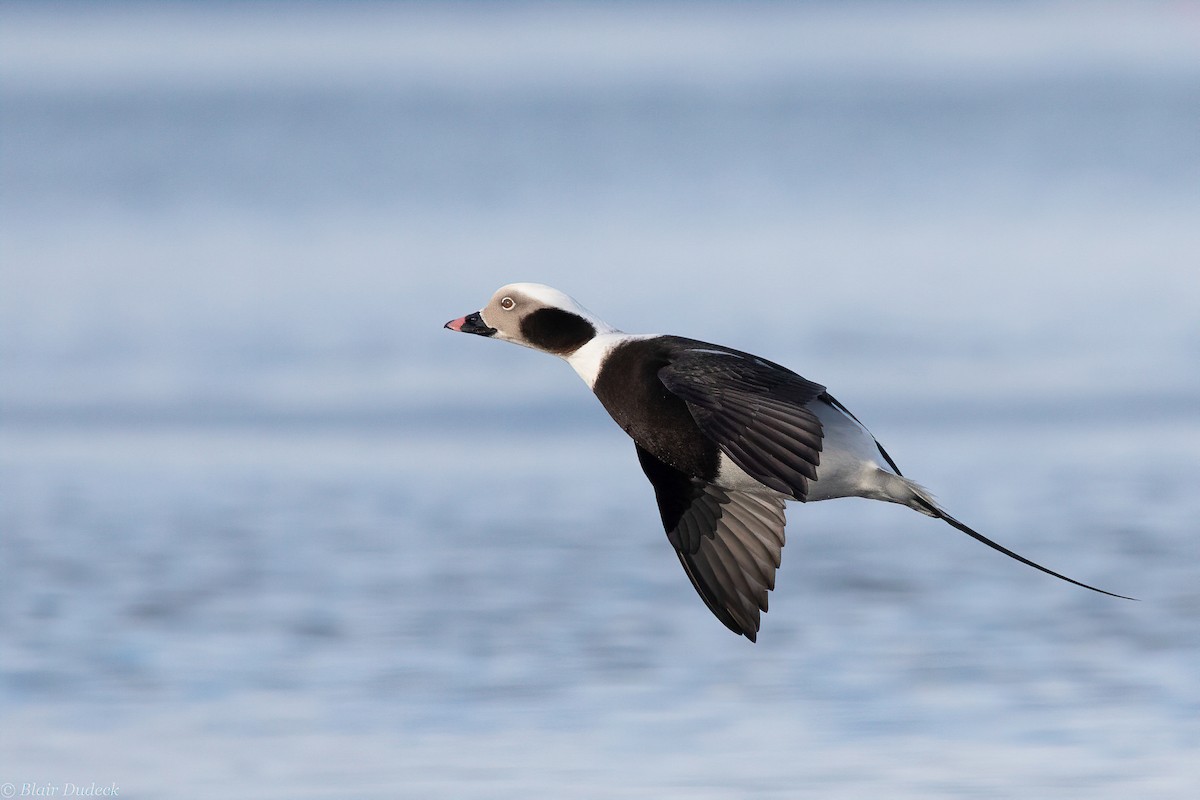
754	410
728	542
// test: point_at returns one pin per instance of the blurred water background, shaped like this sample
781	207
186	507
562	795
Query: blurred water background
268	531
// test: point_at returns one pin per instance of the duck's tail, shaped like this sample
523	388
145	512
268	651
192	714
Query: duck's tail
921	500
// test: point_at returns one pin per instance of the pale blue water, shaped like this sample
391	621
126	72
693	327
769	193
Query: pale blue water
269	531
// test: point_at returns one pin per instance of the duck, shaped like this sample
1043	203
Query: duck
726	439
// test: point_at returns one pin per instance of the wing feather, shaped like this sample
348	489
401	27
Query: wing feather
729	542
755	411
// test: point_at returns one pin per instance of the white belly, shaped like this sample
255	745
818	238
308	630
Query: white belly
851	464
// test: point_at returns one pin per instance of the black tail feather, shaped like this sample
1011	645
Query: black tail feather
937	512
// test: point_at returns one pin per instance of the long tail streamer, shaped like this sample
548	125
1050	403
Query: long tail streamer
937	512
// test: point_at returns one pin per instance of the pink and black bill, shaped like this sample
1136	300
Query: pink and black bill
471	323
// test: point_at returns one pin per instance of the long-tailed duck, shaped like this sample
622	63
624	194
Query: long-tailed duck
724	436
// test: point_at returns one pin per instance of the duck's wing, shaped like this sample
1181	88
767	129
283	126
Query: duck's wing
756	412
728	542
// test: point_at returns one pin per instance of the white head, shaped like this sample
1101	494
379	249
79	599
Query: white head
534	315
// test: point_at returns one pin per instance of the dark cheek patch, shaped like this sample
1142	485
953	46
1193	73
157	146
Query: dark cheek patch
556	330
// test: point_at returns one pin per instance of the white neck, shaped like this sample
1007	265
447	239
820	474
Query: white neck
586	361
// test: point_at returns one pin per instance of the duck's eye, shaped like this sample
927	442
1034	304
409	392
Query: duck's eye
507	303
